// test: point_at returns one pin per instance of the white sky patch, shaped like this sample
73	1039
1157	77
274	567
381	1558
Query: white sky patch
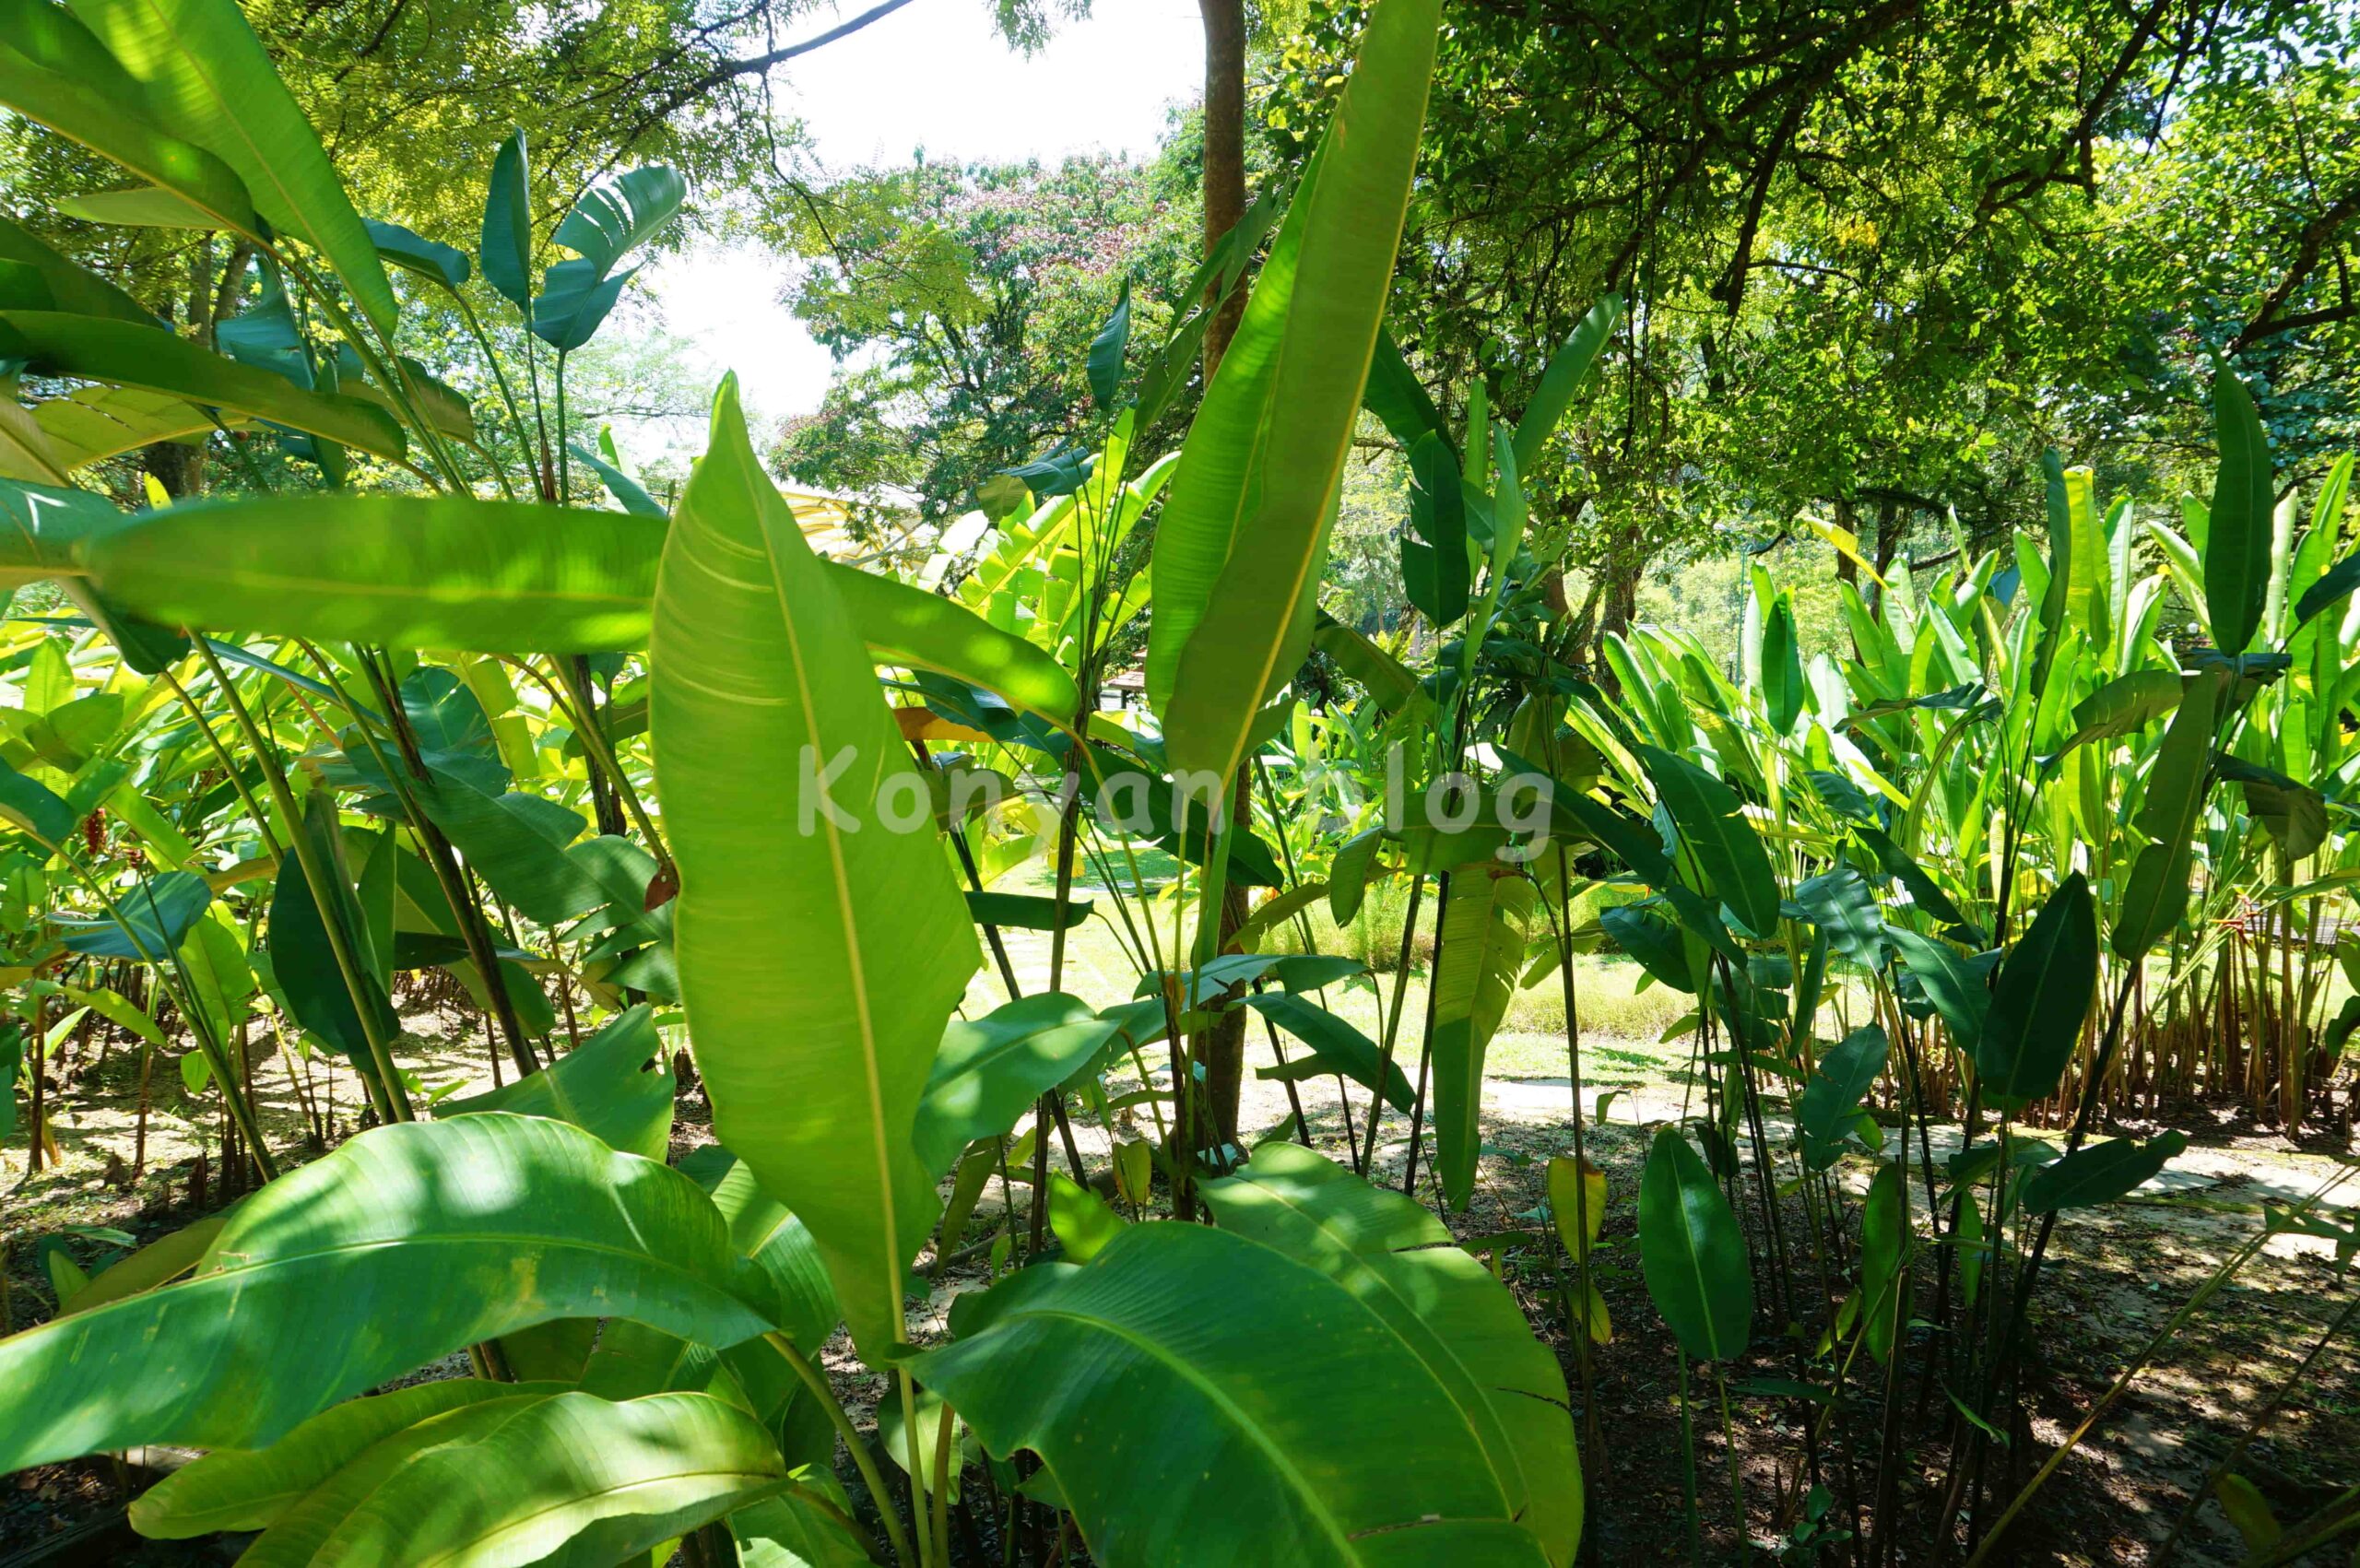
932	77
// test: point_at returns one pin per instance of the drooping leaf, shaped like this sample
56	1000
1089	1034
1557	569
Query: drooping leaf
1885	1255
989	1071
1841	904
2039	1000
148	922
1956	991
413	251
1847	1070
1335	1046
1713	828
815	1016
127	354
1568	367
1476	967
616	1085
205	76
1692	1252
1106	356
464	1230
2099	1174
1260	1395
73	287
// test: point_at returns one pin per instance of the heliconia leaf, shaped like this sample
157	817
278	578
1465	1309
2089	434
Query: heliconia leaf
531	1477
989	1071
2237	541
1387	681
1714	829
1105	357
1335	1047
616	1086
127	354
413	251
1347	874
2125	704
52	70
1847	1070
1253	517
1476	967
1396	1259
2100	1174
2039	1000
489	576
32	806
1958	994
505	249
249	1489
2156	893
1783	688
73	287
205	77
96	422
475	1227
1692	1252
1259	1446
1884	1258
1576	1202
1841	904
1567	369
814	1017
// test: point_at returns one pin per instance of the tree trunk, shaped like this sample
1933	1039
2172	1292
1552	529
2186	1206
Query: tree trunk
1847	517
1222	1050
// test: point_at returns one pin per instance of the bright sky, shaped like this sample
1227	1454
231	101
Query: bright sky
932	76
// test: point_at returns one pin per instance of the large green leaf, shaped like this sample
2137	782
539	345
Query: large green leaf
506	249
53	71
1335	1047
1692	1252
1956	991
205	77
820	948
615	1085
1200	1398
1480	956
2237	542
1885	1255
515	1481
1243	535
1397	1260
1847	1070
2099	1174
2039	1000
989	1071
2157	894
1567	369
436	1234
1714	829
618	218
73	288
494	576
248	1489
94	422
127	354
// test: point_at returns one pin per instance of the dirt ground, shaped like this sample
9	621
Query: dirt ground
2115	1274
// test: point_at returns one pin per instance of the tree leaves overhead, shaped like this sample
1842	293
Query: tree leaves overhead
815	1017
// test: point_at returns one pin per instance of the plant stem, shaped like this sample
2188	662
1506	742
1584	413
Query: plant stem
818	1385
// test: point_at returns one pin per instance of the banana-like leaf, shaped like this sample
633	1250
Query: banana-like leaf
616	1085
820	948
248	1489
438	1233
616	218
126	353
1461	1324
2099	1174
1482	953
1714	829
1958	994
1847	1070
1567	369
492	576
1885	1255
506	248
52	70
96	422
205	76
2157	894
2039	1000
1692	1252
140	206
987	1072
1269	1416
161	1260
572	304
1243	536
72	287
570	1478
413	251
1336	1047
2237	541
